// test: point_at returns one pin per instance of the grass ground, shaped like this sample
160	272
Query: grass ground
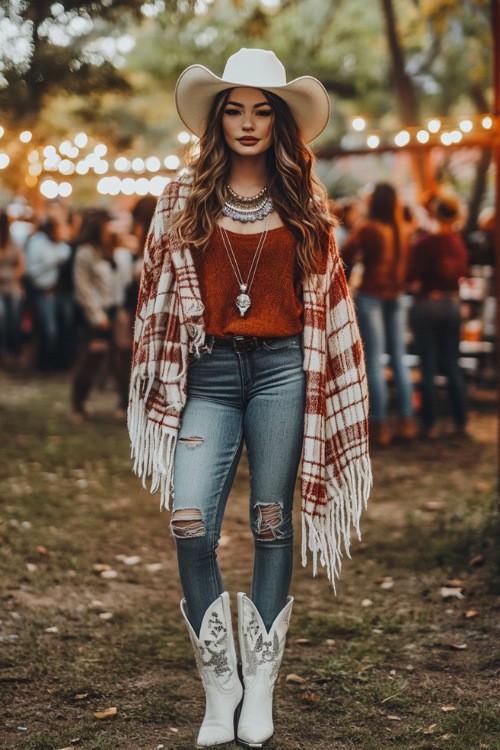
89	598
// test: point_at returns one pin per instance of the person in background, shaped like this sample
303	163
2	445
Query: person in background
99	289
381	245
438	263
11	292
47	249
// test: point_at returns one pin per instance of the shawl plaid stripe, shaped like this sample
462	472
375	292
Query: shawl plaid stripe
169	329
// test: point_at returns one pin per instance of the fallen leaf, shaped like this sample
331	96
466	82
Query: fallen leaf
105	615
154	567
295	678
42	550
303	642
174	730
99	567
109	574
366	603
384	579
132	560
448	708
107	713
447	736
310	697
477	560
471	613
433	505
80	697
53	629
394	718
482	486
387	585
458	646
454	583
330	642
430	729
31	567
450	593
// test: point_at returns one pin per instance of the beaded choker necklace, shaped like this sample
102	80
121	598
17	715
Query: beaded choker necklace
244	209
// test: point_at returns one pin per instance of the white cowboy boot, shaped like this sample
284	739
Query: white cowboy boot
216	661
261	653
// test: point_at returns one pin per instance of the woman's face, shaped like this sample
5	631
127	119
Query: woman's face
247	122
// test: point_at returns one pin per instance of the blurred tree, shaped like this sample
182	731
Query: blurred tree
63	47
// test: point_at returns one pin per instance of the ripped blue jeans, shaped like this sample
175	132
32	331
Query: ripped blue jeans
256	398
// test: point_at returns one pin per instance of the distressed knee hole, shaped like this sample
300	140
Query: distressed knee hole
187	524
192	442
269	521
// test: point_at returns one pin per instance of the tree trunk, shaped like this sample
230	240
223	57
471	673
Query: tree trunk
405	92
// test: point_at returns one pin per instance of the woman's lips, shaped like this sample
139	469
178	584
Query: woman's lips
248	141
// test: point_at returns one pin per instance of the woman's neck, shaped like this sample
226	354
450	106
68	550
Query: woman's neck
248	175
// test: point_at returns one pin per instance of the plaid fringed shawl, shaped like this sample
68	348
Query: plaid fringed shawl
169	329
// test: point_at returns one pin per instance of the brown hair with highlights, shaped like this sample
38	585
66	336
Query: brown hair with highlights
299	198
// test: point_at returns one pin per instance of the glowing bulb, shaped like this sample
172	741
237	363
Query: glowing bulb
402	138
434	126
487	122
4	161
65	189
80	140
49	189
101	167
137	166
35	169
359	124
373	141
153	164
456	136
101	149
103	186
66	167
65	148
114	184
446	139
128	186
157	185
172	162
423	136
49	151
2	131
33	157
183	137
82	167
26	136
466	126
122	164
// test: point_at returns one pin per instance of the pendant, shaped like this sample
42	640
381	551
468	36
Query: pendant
243	302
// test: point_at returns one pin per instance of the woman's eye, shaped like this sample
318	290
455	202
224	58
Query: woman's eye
264	112
231	112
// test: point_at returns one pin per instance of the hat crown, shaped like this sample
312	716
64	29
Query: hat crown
258	68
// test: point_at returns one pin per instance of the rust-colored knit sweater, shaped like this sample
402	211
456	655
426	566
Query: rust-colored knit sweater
276	292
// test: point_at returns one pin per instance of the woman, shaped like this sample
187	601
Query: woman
245	333
381	244
11	295
439	261
99	284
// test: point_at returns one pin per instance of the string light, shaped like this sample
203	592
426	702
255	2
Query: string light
487	122
184	137
373	141
26	136
466	126
359	124
402	138
81	140
423	136
434	126
4	161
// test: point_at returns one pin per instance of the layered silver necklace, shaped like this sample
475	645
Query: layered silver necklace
239	208
243	301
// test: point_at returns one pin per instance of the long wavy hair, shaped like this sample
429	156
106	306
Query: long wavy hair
299	198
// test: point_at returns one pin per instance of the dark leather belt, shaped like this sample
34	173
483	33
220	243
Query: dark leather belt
238	343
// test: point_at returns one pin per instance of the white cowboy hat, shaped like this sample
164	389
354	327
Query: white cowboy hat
257	68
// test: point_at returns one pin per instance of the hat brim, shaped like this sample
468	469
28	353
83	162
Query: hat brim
197	86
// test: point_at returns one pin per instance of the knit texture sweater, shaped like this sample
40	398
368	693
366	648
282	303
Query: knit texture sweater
170	329
276	308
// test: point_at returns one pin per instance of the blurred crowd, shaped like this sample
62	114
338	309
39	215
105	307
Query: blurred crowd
68	292
406	268
69	285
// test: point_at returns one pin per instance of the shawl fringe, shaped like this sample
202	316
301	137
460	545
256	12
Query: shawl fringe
328	535
152	444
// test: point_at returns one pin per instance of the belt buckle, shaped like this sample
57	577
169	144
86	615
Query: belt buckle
245	343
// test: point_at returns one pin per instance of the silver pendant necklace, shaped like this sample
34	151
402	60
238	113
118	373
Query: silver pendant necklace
243	301
243	209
